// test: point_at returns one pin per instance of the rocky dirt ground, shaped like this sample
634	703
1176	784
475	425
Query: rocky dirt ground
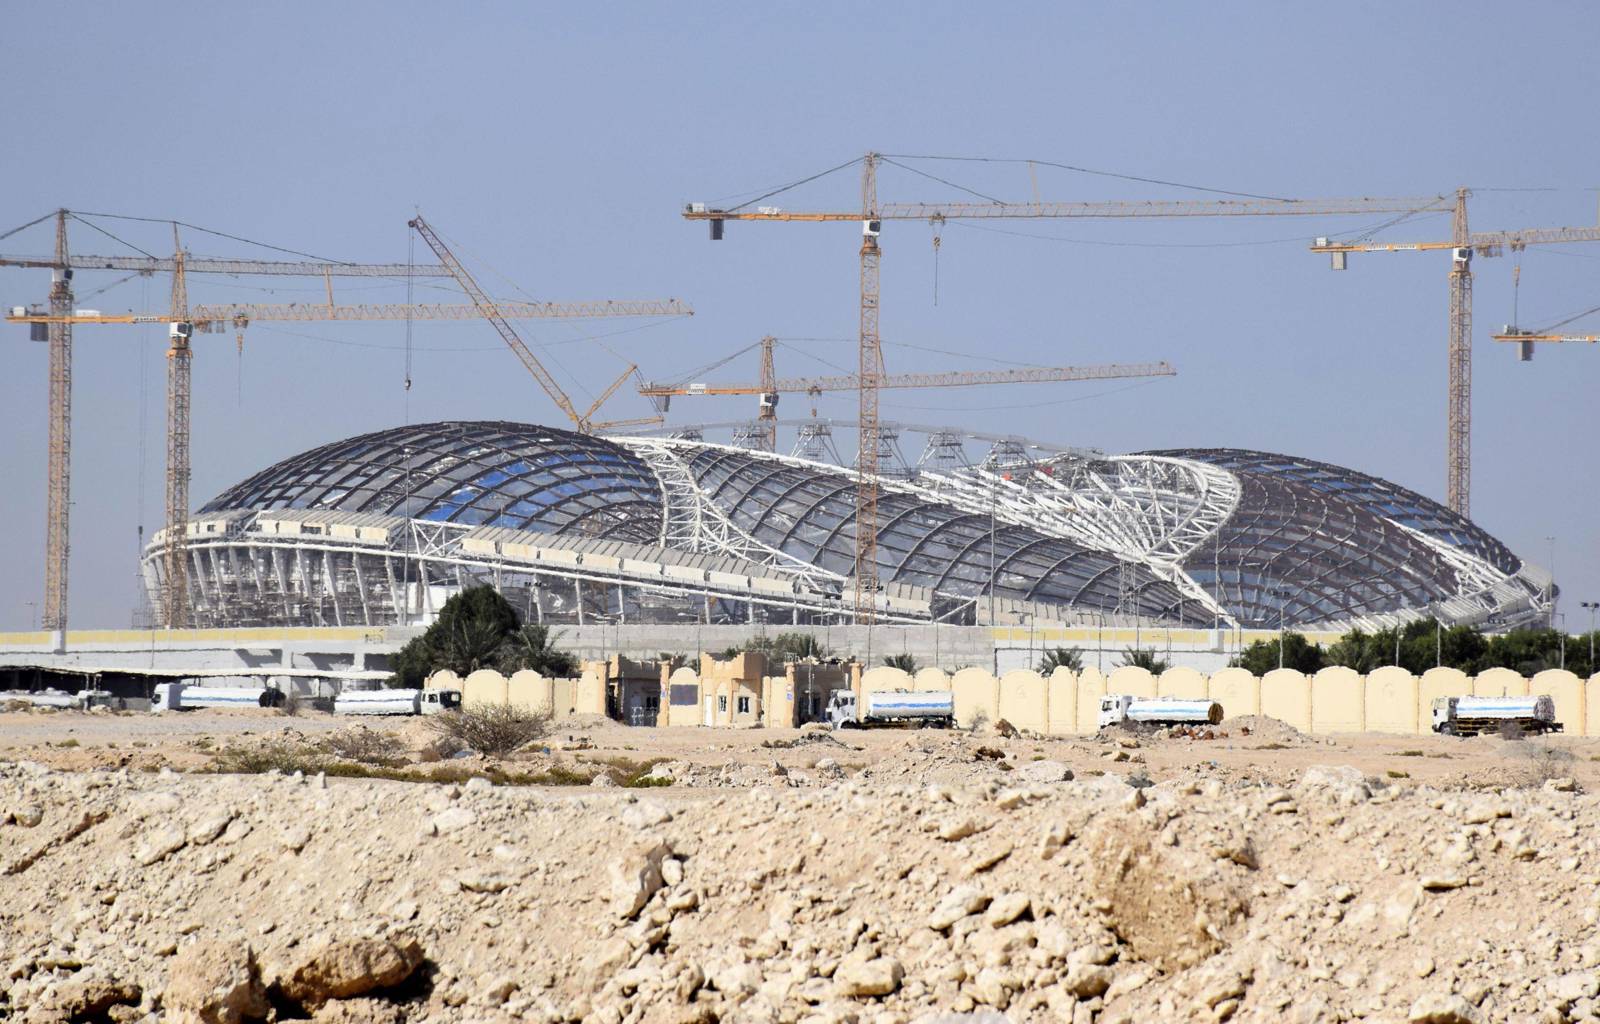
790	876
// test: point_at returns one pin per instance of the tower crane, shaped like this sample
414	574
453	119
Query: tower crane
493	312
871	215
182	321
770	386
57	330
1463	244
1526	339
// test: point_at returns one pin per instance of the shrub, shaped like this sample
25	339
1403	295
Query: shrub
366	746
493	730
904	662
286	756
1544	762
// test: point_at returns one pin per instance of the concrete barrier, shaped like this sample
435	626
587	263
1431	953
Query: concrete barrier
485	686
1024	699
1238	691
1187	683
1286	696
976	692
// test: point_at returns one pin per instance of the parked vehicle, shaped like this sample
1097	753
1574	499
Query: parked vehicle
396	702
936	708
1472	716
189	697
1117	708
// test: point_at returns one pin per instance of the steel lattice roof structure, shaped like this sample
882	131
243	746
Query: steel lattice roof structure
380	529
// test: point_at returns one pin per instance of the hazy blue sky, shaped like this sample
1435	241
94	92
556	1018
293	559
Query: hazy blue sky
557	145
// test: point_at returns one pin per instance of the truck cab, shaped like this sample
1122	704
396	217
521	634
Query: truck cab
433	702
841	712
1114	709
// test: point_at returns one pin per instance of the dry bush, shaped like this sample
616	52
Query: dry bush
493	730
1543	762
366	746
284	755
290	705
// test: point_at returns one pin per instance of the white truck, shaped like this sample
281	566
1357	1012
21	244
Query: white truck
1120	708
189	697
396	702
83	699
934	708
1473	716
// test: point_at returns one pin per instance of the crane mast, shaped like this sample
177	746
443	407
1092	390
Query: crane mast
58	501
175	582
1463	245
871	369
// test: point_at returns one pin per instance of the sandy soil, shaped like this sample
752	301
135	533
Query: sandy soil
73	740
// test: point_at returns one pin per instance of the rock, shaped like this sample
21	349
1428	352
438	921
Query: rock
960	903
294	838
209	827
603	781
645	814
214	982
1086	981
358	1011
483	881
958	828
159	845
877	977
636	876
737	980
1172	907
453	819
27	815
1442	883
1042	772
1345	784
1007	909
1442	1009
89	996
1565	784
479	784
341	968
1573	986
993	986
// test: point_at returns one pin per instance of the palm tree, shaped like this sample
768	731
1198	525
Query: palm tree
534	647
1145	658
1061	657
904	662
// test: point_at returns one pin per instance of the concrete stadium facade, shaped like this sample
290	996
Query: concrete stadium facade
379	530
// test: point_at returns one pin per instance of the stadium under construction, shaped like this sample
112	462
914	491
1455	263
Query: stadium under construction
379	530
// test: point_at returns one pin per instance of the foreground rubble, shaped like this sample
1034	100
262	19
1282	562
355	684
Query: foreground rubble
234	898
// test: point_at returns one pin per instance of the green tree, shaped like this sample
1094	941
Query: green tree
903	662
783	648
1299	654
469	633
1530	651
1061	657
533	647
1145	658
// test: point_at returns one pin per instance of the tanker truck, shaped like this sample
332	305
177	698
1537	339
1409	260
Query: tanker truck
936	708
1473	716
396	702
188	697
1121	708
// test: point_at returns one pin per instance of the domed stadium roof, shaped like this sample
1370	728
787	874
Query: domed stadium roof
670	528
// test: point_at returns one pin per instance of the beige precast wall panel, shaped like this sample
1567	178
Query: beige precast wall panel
1092	685
1392	701
1188	683
590	696
1591	689
932	679
444	679
1023	699
485	686
1238	691
1569	693
1434	683
1062	687
685	714
1338	700
1499	682
531	692
1286	696
886	677
974	690
1132	680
